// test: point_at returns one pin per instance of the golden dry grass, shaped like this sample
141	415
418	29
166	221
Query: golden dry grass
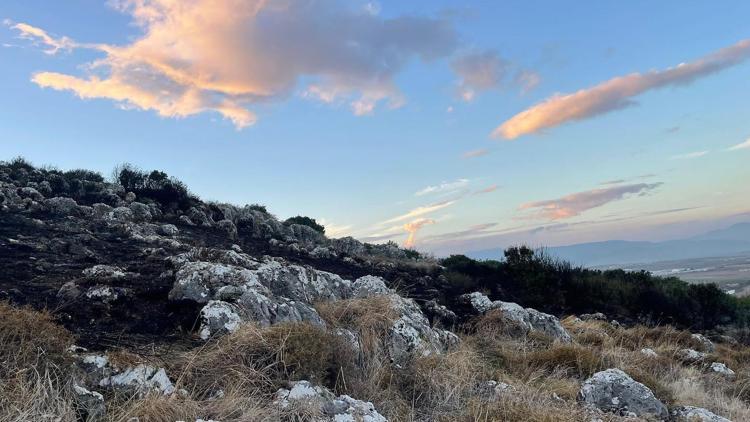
249	365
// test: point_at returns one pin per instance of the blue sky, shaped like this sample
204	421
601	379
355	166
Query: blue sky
251	103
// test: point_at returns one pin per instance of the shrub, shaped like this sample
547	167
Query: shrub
306	221
156	186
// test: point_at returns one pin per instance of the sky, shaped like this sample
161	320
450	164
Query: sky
446	126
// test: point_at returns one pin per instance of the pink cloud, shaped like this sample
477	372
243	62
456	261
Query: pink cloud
224	56
413	227
616	93
475	153
576	203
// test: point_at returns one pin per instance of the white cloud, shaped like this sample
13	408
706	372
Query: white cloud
420	211
689	155
227	55
743	145
443	187
616	93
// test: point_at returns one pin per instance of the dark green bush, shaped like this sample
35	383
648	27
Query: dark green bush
156	186
306	221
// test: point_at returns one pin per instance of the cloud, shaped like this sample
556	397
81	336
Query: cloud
689	155
335	230
488	189
420	211
743	145
413	227
39	36
225	56
616	93
673	129
443	187
574	204
527	80
613	182
475	153
478	72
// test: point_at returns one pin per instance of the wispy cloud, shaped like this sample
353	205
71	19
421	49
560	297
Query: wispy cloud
689	155
443	187
420	211
616	93
40	37
224	56
613	182
479	72
673	129
335	230
575	204
527	80
743	145
475	153
413	227
488	189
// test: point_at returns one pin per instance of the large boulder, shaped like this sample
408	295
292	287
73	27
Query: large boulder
527	319
614	391
411	334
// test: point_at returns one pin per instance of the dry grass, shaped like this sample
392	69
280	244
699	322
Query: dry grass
249	365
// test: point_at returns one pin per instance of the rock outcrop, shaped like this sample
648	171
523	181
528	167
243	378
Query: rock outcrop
304	395
527	319
695	414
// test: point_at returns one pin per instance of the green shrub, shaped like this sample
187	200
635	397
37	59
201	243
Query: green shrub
306	221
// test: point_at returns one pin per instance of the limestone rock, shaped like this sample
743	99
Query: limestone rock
695	414
527	319
614	391
303	395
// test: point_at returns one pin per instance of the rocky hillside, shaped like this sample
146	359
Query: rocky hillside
134	299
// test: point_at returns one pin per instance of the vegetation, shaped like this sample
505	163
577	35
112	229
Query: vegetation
306	221
533	279
156	185
251	363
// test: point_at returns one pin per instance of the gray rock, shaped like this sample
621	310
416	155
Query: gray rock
307	397
141	212
614	391
120	214
527	319
104	272
184	219
168	230
690	356
129	197
219	317
648	352
721	369
140	379
598	316
198	217
695	414
706	345
31	193
90	404
69	291
228	227
60	205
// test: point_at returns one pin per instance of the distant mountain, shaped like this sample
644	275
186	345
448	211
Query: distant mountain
733	240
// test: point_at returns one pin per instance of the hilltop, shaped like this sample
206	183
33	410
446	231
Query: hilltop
132	297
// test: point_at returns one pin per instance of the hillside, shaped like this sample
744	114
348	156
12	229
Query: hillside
132	298
731	241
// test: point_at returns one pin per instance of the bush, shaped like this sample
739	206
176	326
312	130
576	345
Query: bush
306	221
156	186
